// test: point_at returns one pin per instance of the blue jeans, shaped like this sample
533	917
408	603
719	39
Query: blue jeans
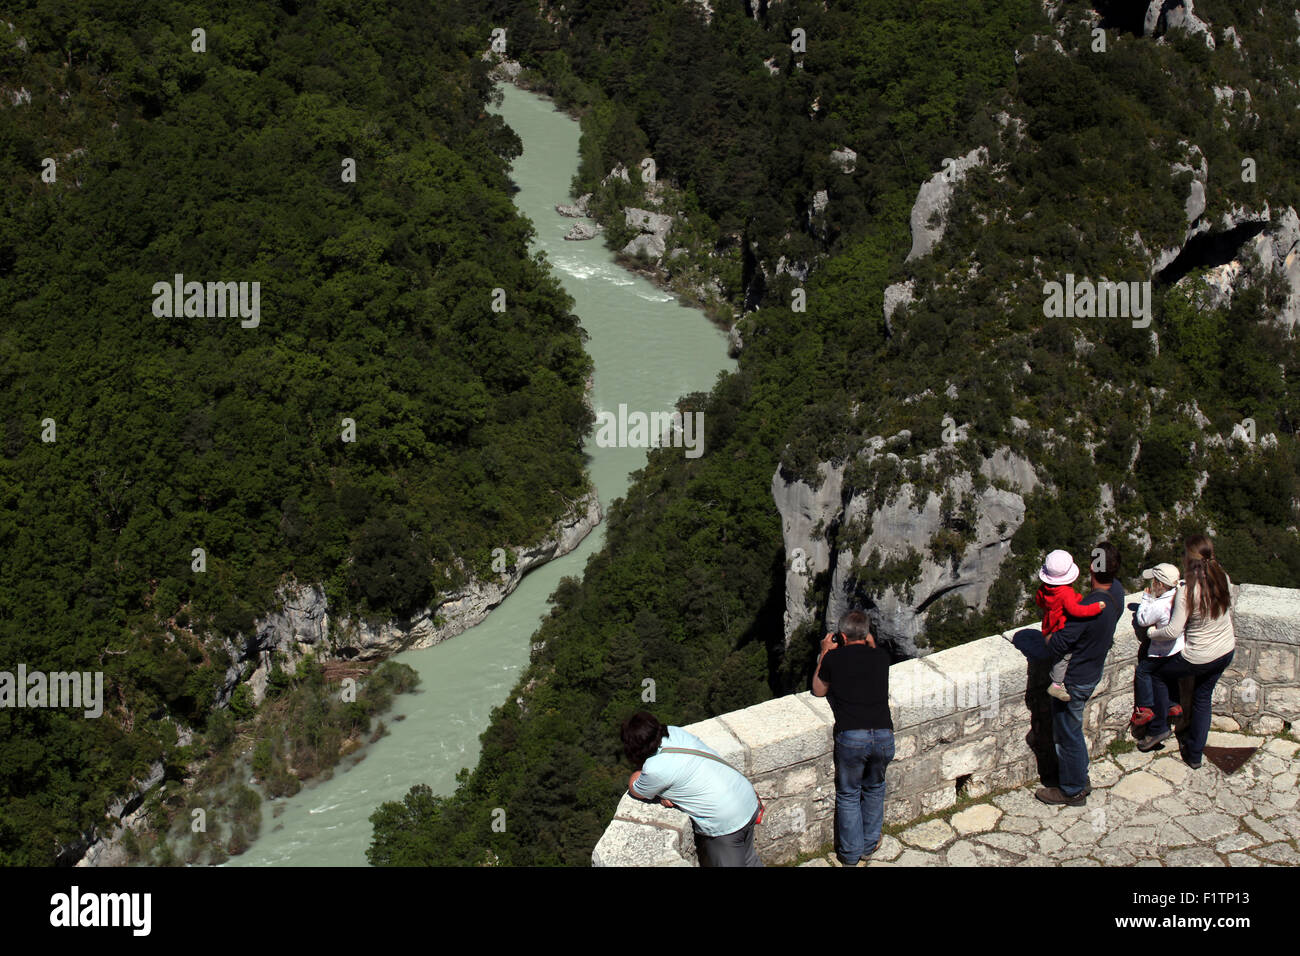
860	760
1204	677
1067	732
1162	674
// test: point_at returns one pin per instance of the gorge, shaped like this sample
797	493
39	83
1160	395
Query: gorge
648	352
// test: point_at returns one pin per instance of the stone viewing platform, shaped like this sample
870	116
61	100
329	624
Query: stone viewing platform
974	721
1146	809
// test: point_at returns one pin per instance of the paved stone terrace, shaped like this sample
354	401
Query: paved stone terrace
1146	809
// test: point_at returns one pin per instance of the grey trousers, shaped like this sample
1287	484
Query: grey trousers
730	849
1058	669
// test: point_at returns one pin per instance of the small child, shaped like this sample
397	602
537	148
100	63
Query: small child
1059	602
1155	610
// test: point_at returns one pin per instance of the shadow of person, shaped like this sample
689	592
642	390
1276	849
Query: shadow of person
1029	641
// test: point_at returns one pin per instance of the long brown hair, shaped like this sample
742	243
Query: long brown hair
1205	577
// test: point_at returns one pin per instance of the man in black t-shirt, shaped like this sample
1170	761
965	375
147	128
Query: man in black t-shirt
855	678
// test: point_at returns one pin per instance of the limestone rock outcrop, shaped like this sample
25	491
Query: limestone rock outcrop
814	522
654	228
930	211
303	622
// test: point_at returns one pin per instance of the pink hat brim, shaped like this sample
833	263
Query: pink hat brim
1069	577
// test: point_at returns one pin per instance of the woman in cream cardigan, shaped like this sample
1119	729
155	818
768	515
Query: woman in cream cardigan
1203	613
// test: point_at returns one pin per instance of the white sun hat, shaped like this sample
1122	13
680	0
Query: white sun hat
1059	568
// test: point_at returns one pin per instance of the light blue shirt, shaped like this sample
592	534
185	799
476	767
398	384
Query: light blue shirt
719	798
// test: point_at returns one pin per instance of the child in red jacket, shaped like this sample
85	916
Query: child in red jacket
1060	602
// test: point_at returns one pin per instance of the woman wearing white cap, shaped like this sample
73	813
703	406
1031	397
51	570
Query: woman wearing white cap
1160	663
1203	613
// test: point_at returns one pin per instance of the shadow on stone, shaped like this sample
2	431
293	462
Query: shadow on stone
1029	641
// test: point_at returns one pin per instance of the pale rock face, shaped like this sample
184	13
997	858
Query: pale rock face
1276	251
1176	15
654	228
618	172
802	511
581	231
303	623
845	159
898	527
897	295
933	199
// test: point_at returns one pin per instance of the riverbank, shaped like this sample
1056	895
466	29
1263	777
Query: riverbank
647	351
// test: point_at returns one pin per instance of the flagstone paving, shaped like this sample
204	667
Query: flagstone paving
1144	810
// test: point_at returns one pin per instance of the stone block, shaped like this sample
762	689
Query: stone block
981	674
918	694
904	746
778	733
799	780
637	844
641	811
819	706
1013	713
901	811
1267	615
1284	702
715	733
940	798
1015	746
977	819
940	732
970	758
1277	663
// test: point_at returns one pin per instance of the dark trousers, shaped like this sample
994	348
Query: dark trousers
1162	675
1204	677
730	849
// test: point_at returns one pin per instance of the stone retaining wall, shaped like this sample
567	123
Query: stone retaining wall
973	718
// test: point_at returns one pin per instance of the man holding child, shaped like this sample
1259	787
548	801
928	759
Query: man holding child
1086	641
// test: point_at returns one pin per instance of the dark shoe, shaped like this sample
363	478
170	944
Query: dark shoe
1053	795
1154	741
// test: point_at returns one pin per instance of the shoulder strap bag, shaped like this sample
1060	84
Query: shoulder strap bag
715	757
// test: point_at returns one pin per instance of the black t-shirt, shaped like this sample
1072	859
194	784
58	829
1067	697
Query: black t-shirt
858	675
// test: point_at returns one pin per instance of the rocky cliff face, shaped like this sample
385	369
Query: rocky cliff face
303	622
821	526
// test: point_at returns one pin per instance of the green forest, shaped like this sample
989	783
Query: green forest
383	427
130	440
689	588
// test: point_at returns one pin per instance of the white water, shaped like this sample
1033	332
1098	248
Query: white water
648	351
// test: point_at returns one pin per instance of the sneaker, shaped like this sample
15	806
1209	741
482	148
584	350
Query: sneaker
1142	716
1053	795
1059	692
1154	741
